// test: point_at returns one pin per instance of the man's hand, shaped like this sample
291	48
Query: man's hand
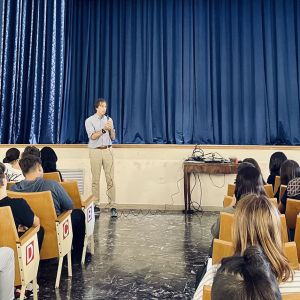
108	125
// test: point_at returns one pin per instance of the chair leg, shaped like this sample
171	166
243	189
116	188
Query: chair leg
69	264
35	296
58	272
22	295
84	250
92	244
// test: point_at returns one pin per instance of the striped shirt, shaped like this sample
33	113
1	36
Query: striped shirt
290	286
96	123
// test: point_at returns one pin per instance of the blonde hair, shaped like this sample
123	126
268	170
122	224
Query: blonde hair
257	223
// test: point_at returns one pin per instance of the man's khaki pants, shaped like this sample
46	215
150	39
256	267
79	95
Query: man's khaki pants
99	158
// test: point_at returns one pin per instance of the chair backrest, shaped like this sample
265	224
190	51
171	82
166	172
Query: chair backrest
10	184
276	184
290	250
285	235
226	226
52	176
230	189
294	296
297	237
221	249
291	212
274	201
229	201
9	237
42	205
282	191
71	187
207	292
269	190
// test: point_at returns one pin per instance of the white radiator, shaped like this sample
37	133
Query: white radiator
74	174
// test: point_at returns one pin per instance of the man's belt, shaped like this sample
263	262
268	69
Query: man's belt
103	147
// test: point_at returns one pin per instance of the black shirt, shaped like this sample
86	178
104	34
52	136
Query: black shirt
22	213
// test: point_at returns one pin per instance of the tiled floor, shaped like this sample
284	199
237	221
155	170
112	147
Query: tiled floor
137	257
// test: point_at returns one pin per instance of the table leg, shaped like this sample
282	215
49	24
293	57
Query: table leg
186	179
189	193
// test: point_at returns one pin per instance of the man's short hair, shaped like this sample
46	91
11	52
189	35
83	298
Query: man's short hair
29	163
31	150
98	101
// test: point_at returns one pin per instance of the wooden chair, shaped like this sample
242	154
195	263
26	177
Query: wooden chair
297	237
226	225
282	191
285	235
274	201
52	176
10	184
26	250
269	190
294	296
276	184
290	250
291	212
58	230
71	187
207	292
229	201
230	189
221	249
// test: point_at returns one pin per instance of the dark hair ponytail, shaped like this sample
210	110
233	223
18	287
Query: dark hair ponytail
12	154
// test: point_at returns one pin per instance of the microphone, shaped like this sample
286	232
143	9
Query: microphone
107	116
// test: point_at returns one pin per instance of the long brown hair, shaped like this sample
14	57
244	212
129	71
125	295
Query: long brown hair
257	223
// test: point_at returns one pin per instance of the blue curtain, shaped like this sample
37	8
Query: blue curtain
173	71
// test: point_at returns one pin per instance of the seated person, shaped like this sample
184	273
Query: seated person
49	160
256	165
32	169
257	223
24	217
248	181
275	163
245	277
11	161
7	273
31	150
289	170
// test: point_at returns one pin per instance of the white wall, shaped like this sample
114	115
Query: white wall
146	175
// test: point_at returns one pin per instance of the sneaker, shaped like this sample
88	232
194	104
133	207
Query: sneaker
97	210
29	289
18	293
114	213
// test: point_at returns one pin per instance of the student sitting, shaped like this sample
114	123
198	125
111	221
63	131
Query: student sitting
34	182
245	277
49	160
289	170
23	216
7	273
256	165
31	150
11	161
257	223
276	160
248	181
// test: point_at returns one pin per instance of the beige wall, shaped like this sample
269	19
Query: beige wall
146	175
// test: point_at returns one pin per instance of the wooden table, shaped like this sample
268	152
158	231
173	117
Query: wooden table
204	168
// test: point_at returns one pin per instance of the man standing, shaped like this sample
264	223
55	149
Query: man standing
101	133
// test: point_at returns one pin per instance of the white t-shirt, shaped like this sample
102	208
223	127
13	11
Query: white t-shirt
13	174
290	286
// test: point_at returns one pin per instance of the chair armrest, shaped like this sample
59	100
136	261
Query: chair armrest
28	234
63	216
88	201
